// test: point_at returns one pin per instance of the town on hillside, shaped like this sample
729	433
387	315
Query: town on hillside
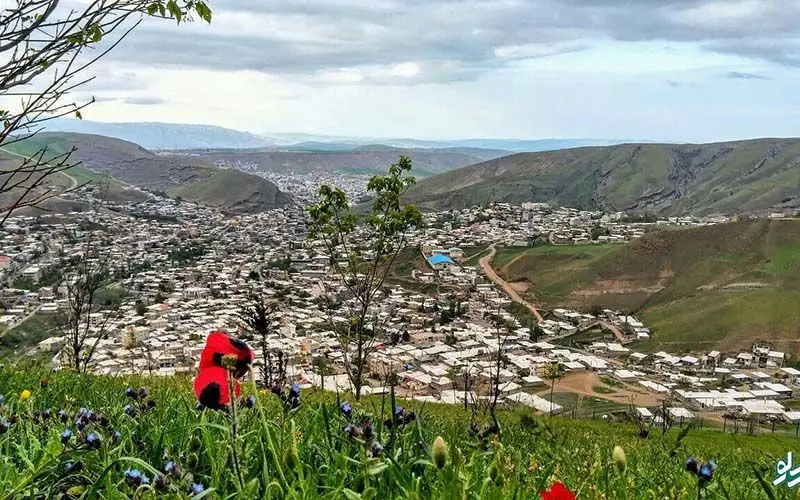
178	271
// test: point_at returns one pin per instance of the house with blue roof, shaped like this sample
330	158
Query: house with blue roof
439	261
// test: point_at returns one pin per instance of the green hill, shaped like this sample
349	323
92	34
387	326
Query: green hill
722	286
732	177
104	440
105	158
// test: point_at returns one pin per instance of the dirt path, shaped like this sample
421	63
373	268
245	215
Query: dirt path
583	383
73	182
486	264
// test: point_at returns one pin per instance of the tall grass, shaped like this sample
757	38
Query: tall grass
274	451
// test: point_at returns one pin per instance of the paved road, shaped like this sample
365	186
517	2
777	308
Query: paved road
486	264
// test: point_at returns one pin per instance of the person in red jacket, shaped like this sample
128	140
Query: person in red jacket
211	383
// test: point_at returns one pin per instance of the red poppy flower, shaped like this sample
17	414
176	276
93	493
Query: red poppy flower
220	344
211	387
557	492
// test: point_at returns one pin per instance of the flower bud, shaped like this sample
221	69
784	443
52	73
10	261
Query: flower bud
618	456
440	452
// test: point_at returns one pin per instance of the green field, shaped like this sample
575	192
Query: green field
266	452
722	286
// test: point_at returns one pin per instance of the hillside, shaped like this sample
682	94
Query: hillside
192	178
731	177
722	286
66	435
368	159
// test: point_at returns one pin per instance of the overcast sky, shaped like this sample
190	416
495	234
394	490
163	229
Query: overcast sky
688	70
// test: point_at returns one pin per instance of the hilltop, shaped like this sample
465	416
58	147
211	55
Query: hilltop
186	176
369	159
722	286
731	177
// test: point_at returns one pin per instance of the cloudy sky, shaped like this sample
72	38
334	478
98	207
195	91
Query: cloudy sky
688	70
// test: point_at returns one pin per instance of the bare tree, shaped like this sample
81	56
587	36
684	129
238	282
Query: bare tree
45	49
552	373
259	315
84	323
368	252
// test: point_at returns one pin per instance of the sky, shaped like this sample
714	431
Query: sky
672	70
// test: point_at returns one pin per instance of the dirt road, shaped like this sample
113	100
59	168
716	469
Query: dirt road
73	182
486	264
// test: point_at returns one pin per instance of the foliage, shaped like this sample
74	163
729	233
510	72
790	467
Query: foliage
368	250
310	452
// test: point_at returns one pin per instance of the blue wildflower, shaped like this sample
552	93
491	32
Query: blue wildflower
134	478
367	431
73	467
376	449
4	426
129	410
131	393
66	436
705	472
197	488
173	469
250	402
63	415
161	482
47	414
82	412
295	391
399	411
2	399
691	465
142	393
347	409
80	424
115	437
93	440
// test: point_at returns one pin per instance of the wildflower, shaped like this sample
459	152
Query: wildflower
196	489
93	440
25	395
104	421
150	404
80	424
439	452
199	406
4	426
409	417
618	456
142	393
131	393
129	410
43	383
250	402
73	466
229	361
376	449
347	409
2	399
91	416
706	472
691	465
62	415
65	436
134	478
47	414
211	388
173	469
82	412
367	431
557	492
295	391
218	345
352	431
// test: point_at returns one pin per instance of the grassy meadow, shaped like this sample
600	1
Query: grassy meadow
83	437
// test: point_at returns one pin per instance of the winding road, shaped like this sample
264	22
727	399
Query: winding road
73	182
486	264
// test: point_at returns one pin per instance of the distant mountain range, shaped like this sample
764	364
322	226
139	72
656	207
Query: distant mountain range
175	136
730	177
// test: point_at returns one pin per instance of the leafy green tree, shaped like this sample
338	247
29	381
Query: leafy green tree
336	227
46	48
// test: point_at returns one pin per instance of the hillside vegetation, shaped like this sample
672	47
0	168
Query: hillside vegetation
76	436
722	286
731	177
127	163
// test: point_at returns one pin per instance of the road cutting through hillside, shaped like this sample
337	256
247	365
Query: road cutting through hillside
486	264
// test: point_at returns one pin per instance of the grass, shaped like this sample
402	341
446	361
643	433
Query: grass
27	334
687	285
599	389
305	453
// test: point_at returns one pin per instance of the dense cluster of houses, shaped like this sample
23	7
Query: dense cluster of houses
179	271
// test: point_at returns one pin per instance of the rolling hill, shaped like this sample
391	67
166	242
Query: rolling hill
722	286
731	177
189	177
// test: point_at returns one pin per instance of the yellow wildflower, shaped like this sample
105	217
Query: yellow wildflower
25	395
